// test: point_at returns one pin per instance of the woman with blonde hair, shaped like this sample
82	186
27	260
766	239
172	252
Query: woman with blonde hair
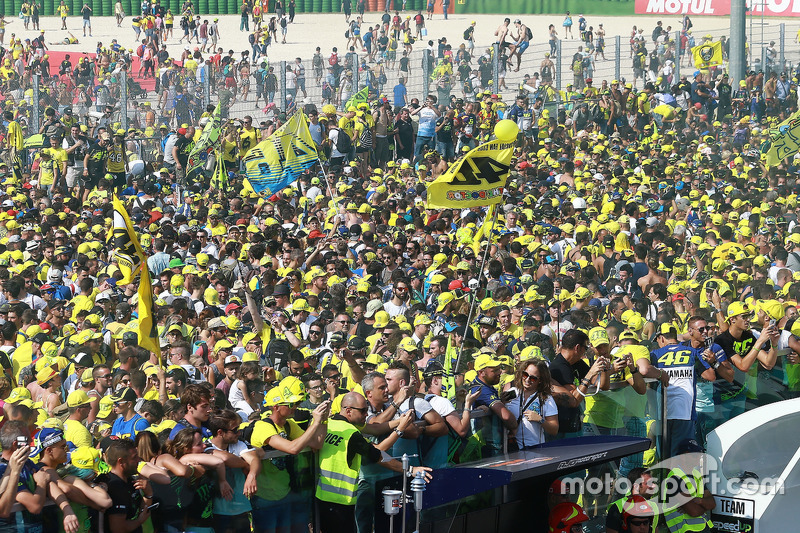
534	406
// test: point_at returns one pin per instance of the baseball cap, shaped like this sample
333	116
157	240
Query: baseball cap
125	395
78	398
485	361
232	360
45	438
598	336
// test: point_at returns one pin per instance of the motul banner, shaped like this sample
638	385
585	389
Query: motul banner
776	8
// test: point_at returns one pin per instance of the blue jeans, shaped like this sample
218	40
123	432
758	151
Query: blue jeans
244	25
446	150
422	141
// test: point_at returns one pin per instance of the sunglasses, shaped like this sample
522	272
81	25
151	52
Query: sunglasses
361	410
529	376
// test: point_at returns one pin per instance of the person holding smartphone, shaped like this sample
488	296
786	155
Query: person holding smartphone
131	495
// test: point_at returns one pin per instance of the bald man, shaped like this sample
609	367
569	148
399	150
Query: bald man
340	460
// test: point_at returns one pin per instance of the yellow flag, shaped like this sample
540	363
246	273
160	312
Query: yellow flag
784	140
130	251
478	179
707	55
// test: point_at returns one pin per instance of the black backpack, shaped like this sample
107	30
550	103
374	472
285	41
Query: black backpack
277	352
529	33
467	33
343	142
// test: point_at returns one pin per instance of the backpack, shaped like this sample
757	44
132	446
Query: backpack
211	31
596	112
277	352
467	33
577	66
326	92
529	33
181	106
333	60
252	38
228	271
366	138
343	142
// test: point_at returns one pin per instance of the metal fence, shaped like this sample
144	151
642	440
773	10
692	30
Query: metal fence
615	61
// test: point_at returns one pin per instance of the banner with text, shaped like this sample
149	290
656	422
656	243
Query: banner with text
770	8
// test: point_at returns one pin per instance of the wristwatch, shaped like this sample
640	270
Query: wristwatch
635	370
399	433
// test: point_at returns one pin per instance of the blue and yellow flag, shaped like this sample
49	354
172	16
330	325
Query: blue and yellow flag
479	178
784	140
707	55
278	161
131	261
209	140
359	98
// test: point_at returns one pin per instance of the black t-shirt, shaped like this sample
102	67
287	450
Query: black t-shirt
733	346
569	418
86	12
181	144
445	134
125	500
97	159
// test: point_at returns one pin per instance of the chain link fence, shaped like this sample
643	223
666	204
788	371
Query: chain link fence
489	68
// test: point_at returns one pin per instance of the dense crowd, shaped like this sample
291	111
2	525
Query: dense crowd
641	241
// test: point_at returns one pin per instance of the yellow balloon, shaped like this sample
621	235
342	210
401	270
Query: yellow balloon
506	130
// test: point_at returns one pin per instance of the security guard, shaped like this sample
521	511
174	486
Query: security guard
689	516
340	460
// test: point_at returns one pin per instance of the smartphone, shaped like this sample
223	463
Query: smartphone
22	441
773	323
154	506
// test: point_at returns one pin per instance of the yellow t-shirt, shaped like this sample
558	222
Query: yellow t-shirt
76	434
63	11
59	155
15	135
229	151
116	163
48	171
247	140
273	481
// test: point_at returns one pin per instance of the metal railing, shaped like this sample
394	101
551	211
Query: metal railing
498	76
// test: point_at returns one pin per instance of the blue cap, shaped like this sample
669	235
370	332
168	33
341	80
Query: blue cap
45	438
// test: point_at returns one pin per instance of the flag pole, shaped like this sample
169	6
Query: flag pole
474	298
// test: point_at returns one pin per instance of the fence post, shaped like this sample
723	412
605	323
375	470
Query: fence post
677	74
206	85
123	99
35	117
782	53
618	58
425	72
495	67
356	74
764	66
558	66
283	87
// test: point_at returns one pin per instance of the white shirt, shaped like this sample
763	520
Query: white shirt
531	433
